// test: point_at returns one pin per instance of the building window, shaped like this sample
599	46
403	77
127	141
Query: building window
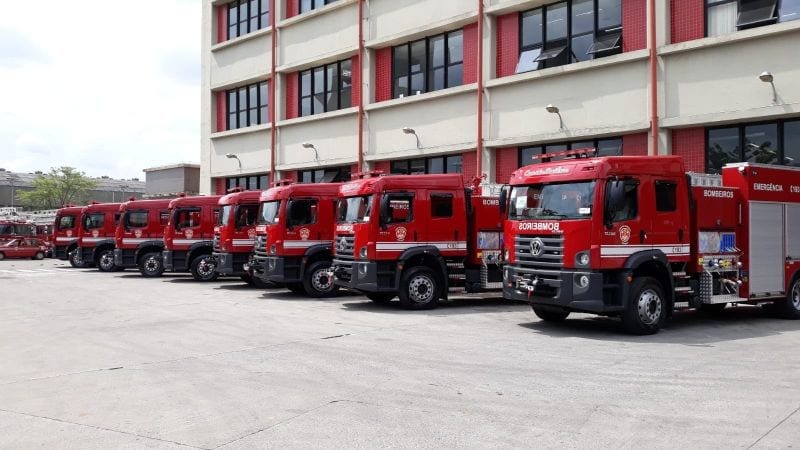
435	164
308	5
727	16
429	64
328	175
762	143
604	147
569	31
326	88
248	182
247	16
248	105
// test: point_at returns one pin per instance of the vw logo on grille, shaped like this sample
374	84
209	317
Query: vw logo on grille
537	247
342	245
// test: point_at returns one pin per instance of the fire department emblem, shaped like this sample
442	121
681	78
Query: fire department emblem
137	233
304	233
69	233
401	233
624	234
95	233
537	247
341	245
188	233
251	233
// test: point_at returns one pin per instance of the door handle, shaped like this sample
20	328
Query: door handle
642	236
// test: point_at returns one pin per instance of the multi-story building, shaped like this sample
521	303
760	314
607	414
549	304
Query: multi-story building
316	89
106	189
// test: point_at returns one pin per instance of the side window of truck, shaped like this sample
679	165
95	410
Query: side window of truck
630	207
441	205
400	208
163	218
302	212
666	196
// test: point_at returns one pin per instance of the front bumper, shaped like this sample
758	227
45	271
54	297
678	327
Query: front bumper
365	276
124	257
560	290
231	263
278	269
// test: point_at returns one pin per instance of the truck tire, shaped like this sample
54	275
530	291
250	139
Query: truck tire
151	265
646	309
38	256
105	261
296	288
256	281
73	260
419	288
790	308
317	282
382	298
203	268
550	315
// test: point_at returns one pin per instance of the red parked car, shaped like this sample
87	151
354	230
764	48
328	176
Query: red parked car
24	248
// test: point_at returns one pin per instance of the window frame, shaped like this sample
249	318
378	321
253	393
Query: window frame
244	26
428	69
327	88
343	174
312	5
570	145
234	110
427	162
776	15
740	128
258	181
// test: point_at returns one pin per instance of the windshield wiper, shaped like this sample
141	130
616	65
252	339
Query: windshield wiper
550	212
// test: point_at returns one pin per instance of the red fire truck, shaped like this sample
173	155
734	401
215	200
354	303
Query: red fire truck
637	237
188	238
235	234
14	228
139	237
294	237
96	230
416	237
65	233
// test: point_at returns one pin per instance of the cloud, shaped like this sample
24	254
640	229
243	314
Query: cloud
109	97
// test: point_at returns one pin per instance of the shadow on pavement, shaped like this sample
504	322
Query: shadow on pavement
455	306
692	328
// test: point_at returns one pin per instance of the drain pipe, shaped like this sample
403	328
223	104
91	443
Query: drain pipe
361	85
653	79
272	81
479	145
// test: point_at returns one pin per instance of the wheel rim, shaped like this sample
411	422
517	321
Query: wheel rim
151	264
420	290
107	260
796	295
205	268
649	305
321	281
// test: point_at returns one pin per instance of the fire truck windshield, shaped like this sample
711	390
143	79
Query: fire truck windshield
269	212
66	222
92	221
552	201
353	209
225	215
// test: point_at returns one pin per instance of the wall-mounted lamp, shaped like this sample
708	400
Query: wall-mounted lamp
409	130
554	110
767	77
311	146
236	157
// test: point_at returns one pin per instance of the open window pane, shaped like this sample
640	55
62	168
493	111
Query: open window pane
754	12
605	43
580	48
550	54
528	60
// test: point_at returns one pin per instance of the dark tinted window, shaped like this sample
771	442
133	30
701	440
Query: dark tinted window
666	196
441	205
302	212
136	219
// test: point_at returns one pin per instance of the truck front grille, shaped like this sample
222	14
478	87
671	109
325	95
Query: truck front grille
260	247
345	247
551	257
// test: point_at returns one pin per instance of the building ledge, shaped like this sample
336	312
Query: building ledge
767	112
317	117
306	165
732	38
239	83
567	134
449	24
241	131
510	6
318	60
240	39
423	97
623	58
423	152
315	13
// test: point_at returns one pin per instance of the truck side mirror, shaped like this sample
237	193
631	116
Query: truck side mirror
503	199
384	213
614	201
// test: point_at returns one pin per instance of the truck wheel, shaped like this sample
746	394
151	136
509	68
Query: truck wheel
105	261
151	265
380	297
257	282
203	268
74	261
790	308
38	256
317	282
419	289
296	288
550	315
647	307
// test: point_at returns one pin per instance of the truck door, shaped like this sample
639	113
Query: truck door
302	228
447	226
669	231
625	225
401	223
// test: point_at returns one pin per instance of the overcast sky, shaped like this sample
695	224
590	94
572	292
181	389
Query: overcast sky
108	87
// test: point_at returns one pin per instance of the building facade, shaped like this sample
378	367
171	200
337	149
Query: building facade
313	90
171	180
106	189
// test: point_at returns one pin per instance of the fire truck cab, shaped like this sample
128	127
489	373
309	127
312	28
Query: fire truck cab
15	228
65	234
294	237
235	233
189	236
637	237
140	235
96	229
416	237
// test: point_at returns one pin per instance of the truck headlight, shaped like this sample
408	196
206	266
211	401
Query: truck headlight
506	255
273	249
582	259
363	252
582	281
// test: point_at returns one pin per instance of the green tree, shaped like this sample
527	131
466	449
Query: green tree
57	188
